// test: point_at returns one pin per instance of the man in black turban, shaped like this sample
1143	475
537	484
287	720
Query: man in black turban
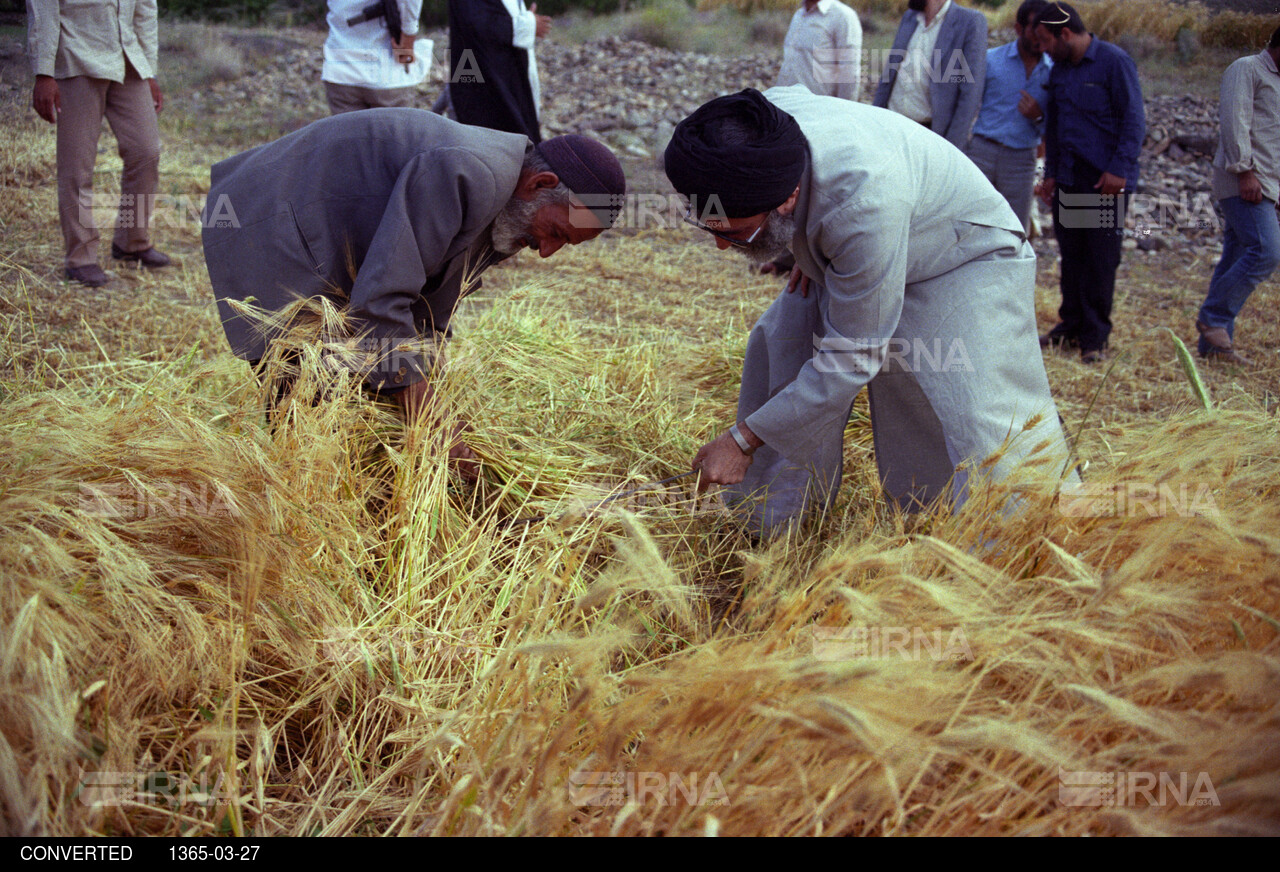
913	277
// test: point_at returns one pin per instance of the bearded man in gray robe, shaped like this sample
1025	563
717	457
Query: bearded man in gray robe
913	277
388	213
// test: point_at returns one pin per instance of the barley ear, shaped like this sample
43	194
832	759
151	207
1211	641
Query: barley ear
1193	374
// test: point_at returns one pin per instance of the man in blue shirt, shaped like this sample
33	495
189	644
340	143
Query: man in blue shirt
1011	121
1094	127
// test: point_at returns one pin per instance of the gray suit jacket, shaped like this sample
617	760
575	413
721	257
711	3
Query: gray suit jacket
955	103
380	210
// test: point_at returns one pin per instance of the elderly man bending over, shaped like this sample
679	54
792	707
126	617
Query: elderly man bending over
912	277
387	212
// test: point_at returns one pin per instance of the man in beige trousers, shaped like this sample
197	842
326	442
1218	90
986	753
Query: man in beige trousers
93	59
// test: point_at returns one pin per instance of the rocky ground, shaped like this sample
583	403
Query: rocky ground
631	95
252	86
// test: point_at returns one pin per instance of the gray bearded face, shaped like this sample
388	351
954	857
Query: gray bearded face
510	231
774	239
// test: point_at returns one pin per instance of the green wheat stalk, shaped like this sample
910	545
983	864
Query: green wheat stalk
1193	374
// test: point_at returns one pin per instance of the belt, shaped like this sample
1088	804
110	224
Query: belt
1001	144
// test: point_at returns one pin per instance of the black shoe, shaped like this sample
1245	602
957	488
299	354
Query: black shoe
1093	355
149	258
1058	339
91	276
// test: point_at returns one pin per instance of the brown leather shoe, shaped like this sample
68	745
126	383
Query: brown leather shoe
1220	341
149	258
1226	357
91	275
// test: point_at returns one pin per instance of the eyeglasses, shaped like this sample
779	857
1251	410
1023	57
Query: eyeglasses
732	240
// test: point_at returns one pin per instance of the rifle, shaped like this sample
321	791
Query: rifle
385	9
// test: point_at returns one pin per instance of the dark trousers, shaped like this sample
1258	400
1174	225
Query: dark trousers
1089	228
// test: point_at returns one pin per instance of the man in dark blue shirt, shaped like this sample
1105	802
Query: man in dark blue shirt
1095	124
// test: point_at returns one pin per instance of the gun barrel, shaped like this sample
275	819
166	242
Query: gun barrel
368	13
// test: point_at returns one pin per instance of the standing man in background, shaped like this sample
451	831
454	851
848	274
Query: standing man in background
935	70
1246	182
1095	124
1010	123
92	59
493	79
823	50
364	66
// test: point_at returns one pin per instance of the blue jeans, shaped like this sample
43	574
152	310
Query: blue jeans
1250	253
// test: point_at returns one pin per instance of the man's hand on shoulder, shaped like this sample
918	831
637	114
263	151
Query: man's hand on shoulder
46	98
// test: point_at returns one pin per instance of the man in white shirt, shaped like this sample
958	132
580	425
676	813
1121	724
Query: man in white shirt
364	67
823	50
935	71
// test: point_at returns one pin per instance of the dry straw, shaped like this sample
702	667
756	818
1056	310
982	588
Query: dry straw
328	632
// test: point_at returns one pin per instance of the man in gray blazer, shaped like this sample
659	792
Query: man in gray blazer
390	214
913	277
936	69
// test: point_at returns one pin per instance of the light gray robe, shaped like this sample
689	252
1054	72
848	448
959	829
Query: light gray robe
404	196
926	293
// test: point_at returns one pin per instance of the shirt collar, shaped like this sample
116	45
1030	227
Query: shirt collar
1091	53
824	6
937	19
1011	54
1269	62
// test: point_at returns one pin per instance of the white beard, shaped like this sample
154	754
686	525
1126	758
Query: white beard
774	239
510	230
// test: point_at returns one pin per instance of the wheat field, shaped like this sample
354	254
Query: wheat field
212	626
